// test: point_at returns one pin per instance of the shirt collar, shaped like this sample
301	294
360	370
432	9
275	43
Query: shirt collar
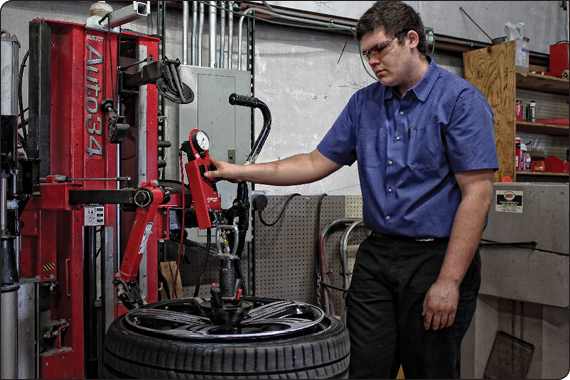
424	86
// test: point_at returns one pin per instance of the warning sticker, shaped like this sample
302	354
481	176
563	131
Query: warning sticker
94	215
509	201
147	232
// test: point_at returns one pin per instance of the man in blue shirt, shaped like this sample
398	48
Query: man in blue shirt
424	142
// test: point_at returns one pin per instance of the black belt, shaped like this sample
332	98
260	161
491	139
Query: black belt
409	238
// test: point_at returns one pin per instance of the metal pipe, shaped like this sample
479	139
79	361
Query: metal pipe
477	25
343	252
9	298
4	204
330	21
222	33
193	37
212	33
9	330
185	21
240	34
230	33
323	261
200	34
89	297
264	11
128	14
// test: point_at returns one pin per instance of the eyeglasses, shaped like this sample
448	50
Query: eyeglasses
380	50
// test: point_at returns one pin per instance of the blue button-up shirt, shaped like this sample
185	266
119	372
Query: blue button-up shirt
409	148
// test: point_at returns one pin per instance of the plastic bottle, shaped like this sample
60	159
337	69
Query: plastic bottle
522	163
531	112
522	54
514	32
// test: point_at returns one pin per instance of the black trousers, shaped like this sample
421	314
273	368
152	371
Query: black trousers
390	280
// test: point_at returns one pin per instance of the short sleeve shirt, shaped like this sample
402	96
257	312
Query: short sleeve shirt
409	148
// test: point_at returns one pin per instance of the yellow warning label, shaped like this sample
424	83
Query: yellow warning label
50	266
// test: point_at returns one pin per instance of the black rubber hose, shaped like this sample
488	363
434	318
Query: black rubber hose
281	214
204	261
252	102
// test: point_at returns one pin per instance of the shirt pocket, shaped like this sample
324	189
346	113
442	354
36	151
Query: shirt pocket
371	147
426	149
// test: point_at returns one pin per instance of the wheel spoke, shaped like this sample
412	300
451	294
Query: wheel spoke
169	316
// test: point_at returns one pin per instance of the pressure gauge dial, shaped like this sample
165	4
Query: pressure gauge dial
201	141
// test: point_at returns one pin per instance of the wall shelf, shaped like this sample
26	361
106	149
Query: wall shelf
547	129
493	71
544	174
542	83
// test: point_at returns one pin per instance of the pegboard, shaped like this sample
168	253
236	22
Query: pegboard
548	106
285	254
283	261
544	145
353	206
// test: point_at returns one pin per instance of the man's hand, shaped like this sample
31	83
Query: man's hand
440	305
224	170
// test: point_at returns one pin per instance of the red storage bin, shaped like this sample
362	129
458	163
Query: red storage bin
558	59
554	164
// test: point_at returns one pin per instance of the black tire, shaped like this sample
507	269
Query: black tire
320	353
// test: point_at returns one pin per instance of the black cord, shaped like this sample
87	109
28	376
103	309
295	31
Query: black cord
529	246
21	103
281	214
318	233
204	262
333	287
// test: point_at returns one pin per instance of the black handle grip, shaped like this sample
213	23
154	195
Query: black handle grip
242	100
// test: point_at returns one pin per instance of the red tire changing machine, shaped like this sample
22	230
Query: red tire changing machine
75	238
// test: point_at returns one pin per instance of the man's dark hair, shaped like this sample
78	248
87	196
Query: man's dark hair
396	18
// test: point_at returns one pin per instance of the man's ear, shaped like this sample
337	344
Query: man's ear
413	38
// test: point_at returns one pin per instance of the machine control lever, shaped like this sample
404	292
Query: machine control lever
249	101
117	128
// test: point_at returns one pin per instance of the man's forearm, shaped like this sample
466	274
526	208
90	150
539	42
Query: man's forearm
294	170
466	233
464	240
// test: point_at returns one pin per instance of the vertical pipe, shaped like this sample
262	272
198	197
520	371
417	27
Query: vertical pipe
240	34
185	21
89	297
212	33
222	33
9	318
9	270
240	23
230	33
200	34
39	84
193	36
4	204
9	300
